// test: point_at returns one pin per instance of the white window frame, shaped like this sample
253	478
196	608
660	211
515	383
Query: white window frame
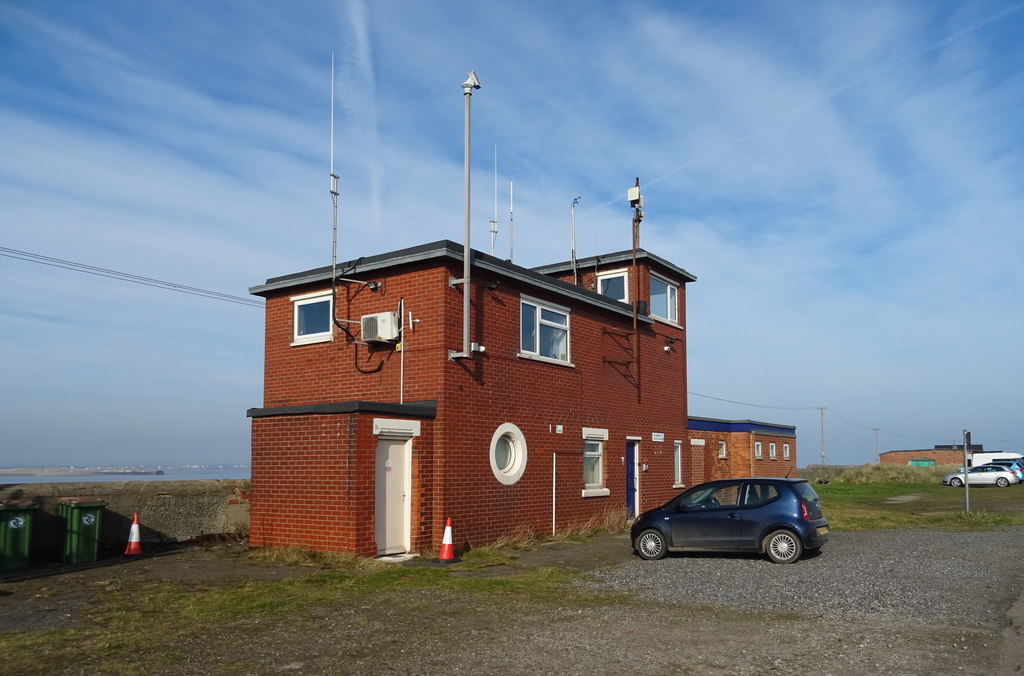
598	436
611	274
671	300
723	451
512	471
540	322
677	464
771	451
785	451
312	299
758	453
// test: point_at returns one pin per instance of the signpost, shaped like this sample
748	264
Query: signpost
967	474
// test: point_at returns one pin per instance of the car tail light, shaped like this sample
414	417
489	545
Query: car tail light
803	511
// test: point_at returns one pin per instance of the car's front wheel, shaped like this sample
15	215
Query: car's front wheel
782	546
1002	482
651	545
956	482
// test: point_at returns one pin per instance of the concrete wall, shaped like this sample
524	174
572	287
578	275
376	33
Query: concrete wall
169	511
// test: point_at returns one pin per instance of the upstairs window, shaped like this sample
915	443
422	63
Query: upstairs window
757	450
614	285
771	451
664	299
312	314
722	452
544	331
785	451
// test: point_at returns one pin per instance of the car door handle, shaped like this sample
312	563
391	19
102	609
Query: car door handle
733	515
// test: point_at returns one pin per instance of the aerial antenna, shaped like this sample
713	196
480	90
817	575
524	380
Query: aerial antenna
334	200
494	223
510	229
572	249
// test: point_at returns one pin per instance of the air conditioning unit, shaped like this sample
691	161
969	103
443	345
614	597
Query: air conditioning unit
383	327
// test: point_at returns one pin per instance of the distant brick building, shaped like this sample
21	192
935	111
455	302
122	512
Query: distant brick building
730	448
560	398
939	455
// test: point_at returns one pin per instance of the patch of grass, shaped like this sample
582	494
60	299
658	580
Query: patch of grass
874	474
872	506
293	556
503	551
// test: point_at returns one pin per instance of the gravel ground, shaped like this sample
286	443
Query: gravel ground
970	578
893	602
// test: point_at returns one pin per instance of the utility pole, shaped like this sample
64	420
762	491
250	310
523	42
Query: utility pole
821	413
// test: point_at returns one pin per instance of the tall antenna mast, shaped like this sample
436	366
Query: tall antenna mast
494	223
334	200
572	249
511	231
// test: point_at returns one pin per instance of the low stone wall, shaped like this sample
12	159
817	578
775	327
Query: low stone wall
169	511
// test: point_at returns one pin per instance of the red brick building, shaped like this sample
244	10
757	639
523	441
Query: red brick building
560	398
729	448
558	412
939	455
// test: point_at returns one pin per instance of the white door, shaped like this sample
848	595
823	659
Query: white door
392	500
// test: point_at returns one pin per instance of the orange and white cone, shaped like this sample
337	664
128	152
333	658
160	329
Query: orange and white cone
134	542
447	553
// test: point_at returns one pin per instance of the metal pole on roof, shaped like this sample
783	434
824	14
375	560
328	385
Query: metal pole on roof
572	248
468	86
334	217
636	201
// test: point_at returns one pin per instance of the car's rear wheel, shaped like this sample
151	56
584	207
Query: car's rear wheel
782	546
651	545
956	482
1002	482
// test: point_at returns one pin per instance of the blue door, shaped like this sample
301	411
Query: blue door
630	480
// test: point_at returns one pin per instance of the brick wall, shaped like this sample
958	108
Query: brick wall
940	456
313	475
740	459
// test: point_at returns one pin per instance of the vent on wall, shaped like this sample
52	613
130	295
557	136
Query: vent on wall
382	327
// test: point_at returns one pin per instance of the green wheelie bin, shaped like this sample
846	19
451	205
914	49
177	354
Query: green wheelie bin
82	519
15	533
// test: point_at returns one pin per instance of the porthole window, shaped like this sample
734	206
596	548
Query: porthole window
508	453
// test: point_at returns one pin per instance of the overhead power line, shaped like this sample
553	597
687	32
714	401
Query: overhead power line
879	429
743	403
808	408
128	277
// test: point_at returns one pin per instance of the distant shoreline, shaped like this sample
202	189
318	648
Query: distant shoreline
92	471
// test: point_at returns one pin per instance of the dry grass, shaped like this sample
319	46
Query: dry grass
294	556
503	550
874	474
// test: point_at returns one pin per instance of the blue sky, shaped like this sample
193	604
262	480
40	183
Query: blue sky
844	179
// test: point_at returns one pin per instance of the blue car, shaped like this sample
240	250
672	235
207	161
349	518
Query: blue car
778	517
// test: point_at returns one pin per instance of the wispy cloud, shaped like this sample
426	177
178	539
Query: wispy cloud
844	180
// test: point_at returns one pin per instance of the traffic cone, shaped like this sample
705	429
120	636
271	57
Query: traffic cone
134	542
447	554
